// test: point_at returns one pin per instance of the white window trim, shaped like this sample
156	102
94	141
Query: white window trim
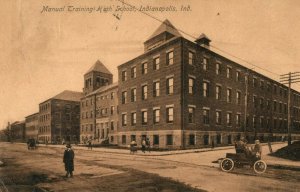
156	56
192	76
168	106
169	50
170	76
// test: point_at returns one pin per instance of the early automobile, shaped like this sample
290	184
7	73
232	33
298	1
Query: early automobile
238	160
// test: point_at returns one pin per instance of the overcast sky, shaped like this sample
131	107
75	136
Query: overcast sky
42	54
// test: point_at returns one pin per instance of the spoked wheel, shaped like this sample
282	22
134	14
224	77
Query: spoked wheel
227	164
260	166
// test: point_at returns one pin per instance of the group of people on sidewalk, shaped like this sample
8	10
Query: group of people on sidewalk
145	146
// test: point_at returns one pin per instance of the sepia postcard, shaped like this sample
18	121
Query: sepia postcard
149	95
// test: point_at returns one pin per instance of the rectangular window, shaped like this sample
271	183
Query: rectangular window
144	117
191	58
262	85
169	139
238	120
192	139
275	89
155	139
261	122
254	121
238	76
218	69
228	119
191	85
112	125
133	72
144	68
112	95
144	92
124	75
268	104
205	116
112	110
124	97
133	94
191	114
229	95
238	97
205	64
254	82
124	119
170	58
170	86
228	72
133	118
123	139
205	89
261	103
156	63
156	90
255	103
170	114
156	116
218	92
274	106
218	117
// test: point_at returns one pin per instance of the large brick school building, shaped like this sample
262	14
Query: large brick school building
181	94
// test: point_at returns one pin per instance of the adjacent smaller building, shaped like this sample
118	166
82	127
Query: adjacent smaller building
32	126
59	118
18	131
99	115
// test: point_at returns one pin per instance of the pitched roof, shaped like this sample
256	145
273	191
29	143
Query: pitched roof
104	88
99	67
166	26
69	95
202	36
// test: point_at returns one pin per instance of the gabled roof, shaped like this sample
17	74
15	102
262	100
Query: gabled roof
69	96
99	67
202	36
166	26
104	88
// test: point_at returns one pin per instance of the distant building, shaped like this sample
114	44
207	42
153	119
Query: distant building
59	118
32	126
17	131
99	118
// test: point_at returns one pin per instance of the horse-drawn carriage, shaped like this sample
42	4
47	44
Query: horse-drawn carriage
31	144
238	160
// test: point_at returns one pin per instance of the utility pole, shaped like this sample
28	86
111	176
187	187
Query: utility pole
289	78
246	102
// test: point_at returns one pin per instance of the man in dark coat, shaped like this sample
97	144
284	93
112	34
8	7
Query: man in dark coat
69	160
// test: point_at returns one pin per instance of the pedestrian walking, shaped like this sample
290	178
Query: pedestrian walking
148	144
90	145
212	144
69	160
143	145
133	148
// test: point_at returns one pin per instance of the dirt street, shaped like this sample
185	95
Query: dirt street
95	171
